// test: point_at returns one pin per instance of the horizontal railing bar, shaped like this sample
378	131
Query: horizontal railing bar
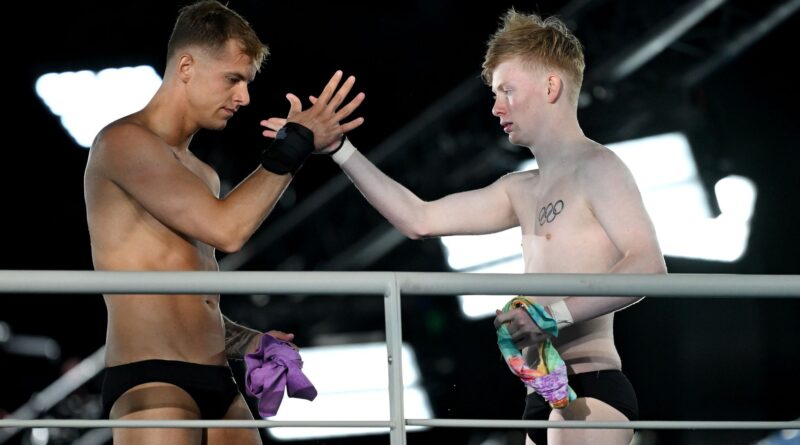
82	423
454	423
672	285
427	283
639	424
103	282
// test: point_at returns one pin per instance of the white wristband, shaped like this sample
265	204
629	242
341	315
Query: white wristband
561	313
345	152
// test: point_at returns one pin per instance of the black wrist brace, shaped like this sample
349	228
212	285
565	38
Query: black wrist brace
292	145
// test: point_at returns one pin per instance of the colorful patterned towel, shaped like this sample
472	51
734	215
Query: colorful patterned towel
549	379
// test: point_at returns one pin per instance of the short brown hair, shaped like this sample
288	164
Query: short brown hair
537	41
211	24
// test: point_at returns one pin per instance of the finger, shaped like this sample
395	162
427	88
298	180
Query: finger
524	342
347	109
344	90
281	335
520	345
274	120
295	106
270	134
274	123
519	336
521	317
498	321
504	317
312	99
355	123
327	92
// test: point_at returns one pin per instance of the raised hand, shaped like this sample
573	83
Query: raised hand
324	117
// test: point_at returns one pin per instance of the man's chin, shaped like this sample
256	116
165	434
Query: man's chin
218	125
517	140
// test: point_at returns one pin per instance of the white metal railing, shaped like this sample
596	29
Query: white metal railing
391	285
414	283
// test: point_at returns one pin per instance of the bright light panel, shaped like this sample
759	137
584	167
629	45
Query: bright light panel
87	101
353	384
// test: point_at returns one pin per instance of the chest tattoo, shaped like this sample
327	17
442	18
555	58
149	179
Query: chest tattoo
549	212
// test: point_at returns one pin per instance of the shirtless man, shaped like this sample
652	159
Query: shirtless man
153	206
580	212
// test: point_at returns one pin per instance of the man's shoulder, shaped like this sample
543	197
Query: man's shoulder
121	129
596	159
599	169
520	180
122	134
522	176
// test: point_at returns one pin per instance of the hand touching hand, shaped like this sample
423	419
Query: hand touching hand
324	117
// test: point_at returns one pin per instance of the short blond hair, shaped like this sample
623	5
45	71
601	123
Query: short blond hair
210	24
547	42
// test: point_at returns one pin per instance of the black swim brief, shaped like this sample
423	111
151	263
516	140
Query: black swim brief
212	387
611	387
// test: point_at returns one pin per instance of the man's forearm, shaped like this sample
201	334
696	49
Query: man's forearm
238	339
248	205
586	308
395	202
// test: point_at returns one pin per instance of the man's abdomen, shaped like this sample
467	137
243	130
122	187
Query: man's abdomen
589	346
586	346
170	327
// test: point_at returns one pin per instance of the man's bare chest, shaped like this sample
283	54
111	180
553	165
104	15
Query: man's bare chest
551	209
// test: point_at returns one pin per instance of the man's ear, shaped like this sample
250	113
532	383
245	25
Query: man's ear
554	88
185	67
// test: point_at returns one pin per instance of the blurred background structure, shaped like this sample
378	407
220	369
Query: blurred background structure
699	94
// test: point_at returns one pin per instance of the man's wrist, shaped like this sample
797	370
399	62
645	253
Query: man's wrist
344	152
291	147
239	340
254	344
560	313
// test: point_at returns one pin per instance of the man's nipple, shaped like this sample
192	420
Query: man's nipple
547	237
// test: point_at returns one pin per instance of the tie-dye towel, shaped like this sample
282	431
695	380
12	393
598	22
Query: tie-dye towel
549	379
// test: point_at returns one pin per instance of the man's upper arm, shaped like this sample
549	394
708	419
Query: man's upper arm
485	210
144	167
617	204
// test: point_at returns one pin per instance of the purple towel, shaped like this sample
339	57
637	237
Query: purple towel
274	366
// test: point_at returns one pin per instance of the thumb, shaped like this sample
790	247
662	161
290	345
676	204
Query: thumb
497	321
312	99
295	106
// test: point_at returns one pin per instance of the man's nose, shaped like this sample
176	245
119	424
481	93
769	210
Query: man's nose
498	108
242	96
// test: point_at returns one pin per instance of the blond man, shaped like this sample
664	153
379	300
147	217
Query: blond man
580	212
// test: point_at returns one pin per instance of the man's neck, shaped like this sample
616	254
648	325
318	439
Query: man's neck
166	117
557	143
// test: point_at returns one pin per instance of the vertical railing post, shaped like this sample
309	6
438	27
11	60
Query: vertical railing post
394	345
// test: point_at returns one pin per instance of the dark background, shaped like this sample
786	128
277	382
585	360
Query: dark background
428	124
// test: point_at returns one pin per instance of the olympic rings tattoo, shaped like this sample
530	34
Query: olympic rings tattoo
550	211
